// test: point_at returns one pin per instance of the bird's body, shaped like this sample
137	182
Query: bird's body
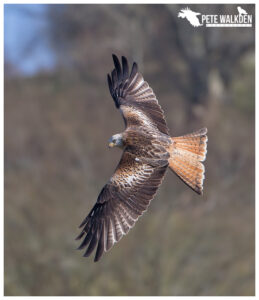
147	145
148	150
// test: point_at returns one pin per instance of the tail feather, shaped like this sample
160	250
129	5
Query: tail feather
186	154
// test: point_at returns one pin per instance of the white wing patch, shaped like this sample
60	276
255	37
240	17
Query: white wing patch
136	175
136	82
130	111
130	179
143	117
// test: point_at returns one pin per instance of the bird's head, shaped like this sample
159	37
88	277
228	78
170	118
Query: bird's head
116	141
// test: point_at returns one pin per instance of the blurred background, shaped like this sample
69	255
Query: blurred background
58	119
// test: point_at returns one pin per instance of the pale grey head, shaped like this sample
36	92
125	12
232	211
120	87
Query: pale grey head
116	141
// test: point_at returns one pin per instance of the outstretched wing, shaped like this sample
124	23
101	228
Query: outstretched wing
134	97
119	205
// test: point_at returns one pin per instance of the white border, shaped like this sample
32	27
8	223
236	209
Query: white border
125	2
2	154
2	115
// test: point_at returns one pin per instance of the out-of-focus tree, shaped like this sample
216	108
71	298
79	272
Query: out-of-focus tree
188	57
56	158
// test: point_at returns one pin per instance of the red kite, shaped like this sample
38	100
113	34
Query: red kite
148	150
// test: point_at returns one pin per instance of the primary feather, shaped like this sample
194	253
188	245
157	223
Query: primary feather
147	151
121	202
134	97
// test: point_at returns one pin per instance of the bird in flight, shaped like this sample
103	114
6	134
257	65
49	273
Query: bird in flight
148	150
191	16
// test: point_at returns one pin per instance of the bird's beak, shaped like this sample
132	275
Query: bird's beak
111	145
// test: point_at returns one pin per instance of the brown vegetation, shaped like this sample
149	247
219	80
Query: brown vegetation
56	157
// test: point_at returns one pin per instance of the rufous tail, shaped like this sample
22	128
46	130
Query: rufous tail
187	152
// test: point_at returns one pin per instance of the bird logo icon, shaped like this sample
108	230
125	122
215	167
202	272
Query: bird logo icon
241	11
191	16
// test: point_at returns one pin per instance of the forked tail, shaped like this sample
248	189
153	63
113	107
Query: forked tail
187	152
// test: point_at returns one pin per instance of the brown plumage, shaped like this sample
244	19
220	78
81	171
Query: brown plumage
147	152
187	152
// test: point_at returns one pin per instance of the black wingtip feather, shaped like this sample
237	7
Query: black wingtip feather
109	209
92	244
84	222
119	77
100	247
109	83
134	70
114	79
80	235
111	88
114	56
125	67
117	66
86	240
